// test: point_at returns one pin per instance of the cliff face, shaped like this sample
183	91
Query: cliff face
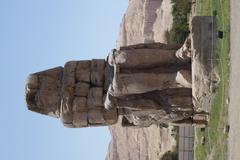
144	21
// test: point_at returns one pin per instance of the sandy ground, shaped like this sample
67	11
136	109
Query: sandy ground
234	108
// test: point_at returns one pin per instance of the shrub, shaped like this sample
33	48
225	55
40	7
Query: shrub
170	156
180	28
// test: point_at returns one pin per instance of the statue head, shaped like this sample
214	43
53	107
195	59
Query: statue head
43	91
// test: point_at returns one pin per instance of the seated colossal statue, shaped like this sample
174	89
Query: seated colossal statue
145	83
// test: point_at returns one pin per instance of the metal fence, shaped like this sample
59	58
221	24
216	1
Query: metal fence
186	143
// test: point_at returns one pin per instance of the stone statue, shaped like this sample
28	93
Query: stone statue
144	83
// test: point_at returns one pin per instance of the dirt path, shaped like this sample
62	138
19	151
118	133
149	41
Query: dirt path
234	108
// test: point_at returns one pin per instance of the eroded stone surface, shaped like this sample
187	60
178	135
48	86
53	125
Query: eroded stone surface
95	97
83	71
137	85
97	72
82	89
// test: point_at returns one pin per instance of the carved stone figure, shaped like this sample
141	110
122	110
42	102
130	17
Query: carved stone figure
145	83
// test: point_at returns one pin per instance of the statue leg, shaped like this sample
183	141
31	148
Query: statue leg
156	100
151	46
125	84
144	58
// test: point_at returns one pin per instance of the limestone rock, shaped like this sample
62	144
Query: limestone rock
108	76
83	71
68	84
97	72
155	45
49	82
48	99
184	78
95	97
55	73
69	74
66	117
66	105
137	83
184	52
180	101
109	102
82	89
80	104
95	116
32	82
145	58
80	119
110	116
68	125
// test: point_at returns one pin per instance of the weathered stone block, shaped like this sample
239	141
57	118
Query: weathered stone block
110	116
32	82
83	71
66	104
97	78
49	83
143	58
84	65
83	76
68	84
136	83
97	72
184	78
95	97
152	46
70	66
108	76
66	117
180	101
55	73
97	65
82	89
80	104
95	116
80	119
68	125
69	74
48	99
109	101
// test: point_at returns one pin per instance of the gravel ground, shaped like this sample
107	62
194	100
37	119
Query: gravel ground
234	108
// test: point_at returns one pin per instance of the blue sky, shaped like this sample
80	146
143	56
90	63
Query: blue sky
39	34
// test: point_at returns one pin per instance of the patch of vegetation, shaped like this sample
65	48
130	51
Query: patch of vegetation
170	155
180	27
215	147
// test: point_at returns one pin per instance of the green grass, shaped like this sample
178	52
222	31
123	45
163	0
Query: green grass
216	139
